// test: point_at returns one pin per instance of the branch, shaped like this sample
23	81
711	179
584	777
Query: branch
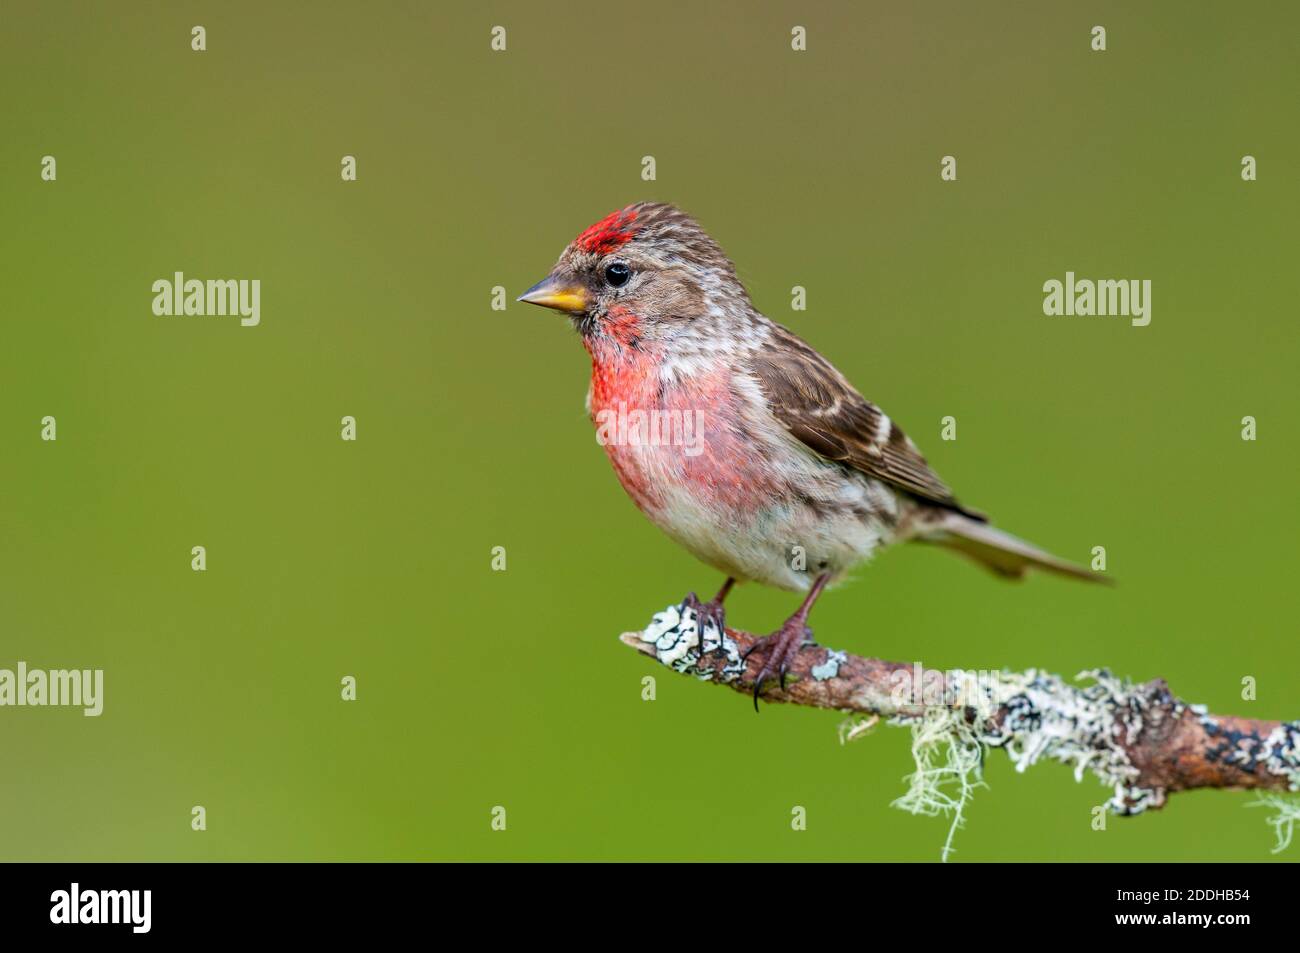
1141	740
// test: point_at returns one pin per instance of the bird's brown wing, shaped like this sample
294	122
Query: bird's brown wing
820	407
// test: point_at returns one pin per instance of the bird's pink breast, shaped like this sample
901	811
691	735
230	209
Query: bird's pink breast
704	456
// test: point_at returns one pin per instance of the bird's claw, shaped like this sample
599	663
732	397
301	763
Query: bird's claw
780	649
706	614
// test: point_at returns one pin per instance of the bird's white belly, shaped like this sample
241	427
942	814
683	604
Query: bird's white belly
819	519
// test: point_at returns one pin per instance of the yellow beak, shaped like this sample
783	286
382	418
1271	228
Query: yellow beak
557	293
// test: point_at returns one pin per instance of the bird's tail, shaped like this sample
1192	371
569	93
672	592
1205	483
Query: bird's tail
1000	552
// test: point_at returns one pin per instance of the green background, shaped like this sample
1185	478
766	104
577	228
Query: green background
481	688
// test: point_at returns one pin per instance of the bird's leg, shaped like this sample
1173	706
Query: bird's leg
782	645
711	611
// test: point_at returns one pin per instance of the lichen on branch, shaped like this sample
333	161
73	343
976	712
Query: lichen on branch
1141	741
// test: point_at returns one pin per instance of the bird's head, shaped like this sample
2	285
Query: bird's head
639	274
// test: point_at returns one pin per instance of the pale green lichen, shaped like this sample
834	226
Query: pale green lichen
1286	813
857	726
1030	716
949	760
677	643
830	667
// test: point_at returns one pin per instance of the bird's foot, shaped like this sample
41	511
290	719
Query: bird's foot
778	650
707	614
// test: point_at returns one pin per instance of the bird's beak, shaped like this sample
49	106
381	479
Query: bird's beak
554	291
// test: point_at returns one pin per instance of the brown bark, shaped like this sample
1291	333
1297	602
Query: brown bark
1168	744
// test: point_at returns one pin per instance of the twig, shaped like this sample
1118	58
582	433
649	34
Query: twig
1141	740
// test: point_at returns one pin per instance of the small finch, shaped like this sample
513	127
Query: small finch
739	440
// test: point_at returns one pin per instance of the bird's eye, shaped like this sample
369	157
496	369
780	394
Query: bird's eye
617	274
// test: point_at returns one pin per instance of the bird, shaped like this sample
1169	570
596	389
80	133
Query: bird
738	439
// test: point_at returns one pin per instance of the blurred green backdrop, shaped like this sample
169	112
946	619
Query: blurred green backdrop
479	688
